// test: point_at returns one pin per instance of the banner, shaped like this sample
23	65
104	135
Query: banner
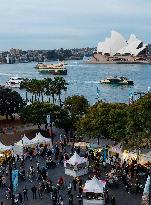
104	153
15	179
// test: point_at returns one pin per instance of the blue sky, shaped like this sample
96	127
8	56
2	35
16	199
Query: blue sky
48	24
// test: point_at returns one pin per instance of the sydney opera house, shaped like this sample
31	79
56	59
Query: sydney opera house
117	49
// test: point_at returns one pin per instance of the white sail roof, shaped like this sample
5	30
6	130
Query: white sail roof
94	186
76	159
117	44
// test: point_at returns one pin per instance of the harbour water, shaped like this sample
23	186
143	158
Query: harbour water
84	79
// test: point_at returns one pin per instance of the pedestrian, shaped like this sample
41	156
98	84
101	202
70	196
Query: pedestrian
60	200
2	203
113	200
69	189
71	199
20	198
40	192
34	191
74	182
25	190
79	198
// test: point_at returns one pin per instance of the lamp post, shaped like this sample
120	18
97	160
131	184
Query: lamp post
11	183
49	122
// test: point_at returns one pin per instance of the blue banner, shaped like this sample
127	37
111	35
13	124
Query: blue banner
15	179
104	153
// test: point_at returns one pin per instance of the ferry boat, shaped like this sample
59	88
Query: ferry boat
117	81
13	82
55	69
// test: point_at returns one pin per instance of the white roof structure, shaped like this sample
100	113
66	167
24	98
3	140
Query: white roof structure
40	139
76	159
117	44
24	141
94	186
4	147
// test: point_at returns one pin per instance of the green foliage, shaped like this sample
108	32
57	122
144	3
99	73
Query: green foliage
103	119
10	102
38	111
47	86
127	124
77	105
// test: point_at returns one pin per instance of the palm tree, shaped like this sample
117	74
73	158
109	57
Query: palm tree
50	88
60	84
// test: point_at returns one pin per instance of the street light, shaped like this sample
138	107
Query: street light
49	122
11	183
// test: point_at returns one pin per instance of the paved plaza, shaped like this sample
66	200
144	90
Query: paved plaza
122	197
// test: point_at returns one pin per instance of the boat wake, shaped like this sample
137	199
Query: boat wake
5	74
89	82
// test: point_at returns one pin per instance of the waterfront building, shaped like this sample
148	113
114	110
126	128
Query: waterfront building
116	49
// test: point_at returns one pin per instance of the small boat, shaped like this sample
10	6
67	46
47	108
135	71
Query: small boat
13	82
117	81
55	69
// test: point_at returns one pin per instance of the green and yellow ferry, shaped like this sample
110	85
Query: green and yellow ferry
54	69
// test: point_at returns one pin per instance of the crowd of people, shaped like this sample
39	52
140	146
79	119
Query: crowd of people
37	174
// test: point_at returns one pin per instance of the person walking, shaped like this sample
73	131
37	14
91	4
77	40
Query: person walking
40	192
25	190
34	191
71	199
74	182
79	198
113	200
20	198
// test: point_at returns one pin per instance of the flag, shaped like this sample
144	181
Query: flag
98	92
130	94
15	179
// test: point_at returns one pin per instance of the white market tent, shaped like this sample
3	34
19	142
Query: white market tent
18	148
39	139
76	159
23	142
4	147
76	166
94	186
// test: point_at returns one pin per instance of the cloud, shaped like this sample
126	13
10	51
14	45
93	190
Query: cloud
68	21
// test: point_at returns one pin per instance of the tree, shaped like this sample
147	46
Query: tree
10	102
50	88
103	120
77	105
60	85
37	112
64	120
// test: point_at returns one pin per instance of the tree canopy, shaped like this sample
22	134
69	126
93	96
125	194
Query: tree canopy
10	102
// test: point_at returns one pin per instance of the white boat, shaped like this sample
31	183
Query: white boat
14	82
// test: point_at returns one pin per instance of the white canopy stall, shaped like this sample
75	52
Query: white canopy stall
19	146
4	147
39	139
94	190
76	166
